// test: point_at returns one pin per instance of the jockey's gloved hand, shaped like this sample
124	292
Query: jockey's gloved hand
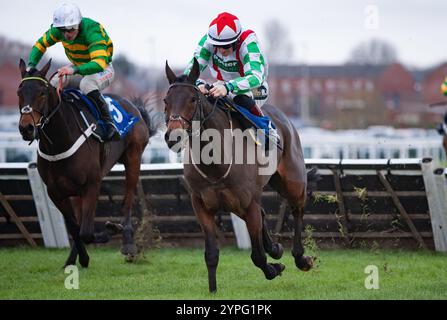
219	91
204	88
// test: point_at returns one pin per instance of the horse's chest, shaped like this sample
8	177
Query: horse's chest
68	181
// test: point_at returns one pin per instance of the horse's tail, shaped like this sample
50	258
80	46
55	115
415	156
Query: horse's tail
312	179
154	119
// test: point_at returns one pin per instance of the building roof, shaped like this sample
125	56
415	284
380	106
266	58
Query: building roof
326	71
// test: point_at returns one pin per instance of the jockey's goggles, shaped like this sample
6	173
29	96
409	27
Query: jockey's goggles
68	29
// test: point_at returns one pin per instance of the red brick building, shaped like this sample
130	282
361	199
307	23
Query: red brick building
9	82
346	96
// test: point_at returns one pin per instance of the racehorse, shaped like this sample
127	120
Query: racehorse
233	187
73	181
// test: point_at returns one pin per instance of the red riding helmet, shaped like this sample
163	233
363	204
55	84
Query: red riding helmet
225	29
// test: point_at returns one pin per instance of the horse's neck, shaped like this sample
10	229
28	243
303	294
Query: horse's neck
218	123
61	129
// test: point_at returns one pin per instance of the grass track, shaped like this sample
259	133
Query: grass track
181	274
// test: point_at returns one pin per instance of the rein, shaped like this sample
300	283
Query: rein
46	119
202	120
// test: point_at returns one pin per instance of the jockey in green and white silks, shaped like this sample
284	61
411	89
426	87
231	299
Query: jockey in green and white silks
89	49
236	62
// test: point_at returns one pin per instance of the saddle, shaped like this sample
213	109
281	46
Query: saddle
122	119
248	120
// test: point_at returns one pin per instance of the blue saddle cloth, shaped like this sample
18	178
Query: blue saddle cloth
122	119
264	123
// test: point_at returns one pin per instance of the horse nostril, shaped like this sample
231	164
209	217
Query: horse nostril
30	128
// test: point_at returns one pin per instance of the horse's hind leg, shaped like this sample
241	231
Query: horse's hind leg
302	262
274	249
132	160
253	219
295	193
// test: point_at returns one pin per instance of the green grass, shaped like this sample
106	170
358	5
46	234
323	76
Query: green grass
181	274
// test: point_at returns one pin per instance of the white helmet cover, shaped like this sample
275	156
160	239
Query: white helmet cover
225	29
67	15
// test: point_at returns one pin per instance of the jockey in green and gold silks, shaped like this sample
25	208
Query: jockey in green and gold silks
89	49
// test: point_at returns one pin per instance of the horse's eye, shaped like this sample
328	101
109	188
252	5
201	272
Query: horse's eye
193	99
166	102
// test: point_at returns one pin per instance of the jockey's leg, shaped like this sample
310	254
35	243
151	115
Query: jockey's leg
249	104
255	108
103	108
91	86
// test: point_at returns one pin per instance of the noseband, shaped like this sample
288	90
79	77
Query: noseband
199	113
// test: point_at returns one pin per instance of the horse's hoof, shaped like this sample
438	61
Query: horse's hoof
274	270
84	262
129	249
304	263
277	251
130	258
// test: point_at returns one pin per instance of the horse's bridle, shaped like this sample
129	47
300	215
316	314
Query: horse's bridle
44	119
198	115
202	120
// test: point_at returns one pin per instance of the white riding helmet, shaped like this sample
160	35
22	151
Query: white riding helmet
67	15
225	29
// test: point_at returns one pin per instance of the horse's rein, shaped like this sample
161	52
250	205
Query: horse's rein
202	122
199	108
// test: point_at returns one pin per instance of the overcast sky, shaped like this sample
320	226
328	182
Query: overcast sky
322	32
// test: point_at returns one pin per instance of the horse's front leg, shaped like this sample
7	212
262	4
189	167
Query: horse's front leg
132	165
206	220
253	219
65	206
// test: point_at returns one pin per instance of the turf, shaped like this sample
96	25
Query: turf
172	274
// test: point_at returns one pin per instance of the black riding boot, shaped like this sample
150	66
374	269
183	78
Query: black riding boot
112	132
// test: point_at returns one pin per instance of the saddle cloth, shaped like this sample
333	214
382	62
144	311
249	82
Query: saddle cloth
123	120
263	123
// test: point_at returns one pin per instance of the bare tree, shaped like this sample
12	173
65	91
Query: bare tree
278	47
12	50
373	52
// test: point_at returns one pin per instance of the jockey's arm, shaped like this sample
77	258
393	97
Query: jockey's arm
203	56
97	47
254	69
49	38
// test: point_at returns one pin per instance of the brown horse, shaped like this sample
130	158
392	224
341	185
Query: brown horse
74	181
236	187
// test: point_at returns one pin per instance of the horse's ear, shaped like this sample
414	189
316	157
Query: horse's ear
22	66
194	73
170	74
45	69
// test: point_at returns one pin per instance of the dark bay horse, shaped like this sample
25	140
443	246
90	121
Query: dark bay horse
237	187
73	182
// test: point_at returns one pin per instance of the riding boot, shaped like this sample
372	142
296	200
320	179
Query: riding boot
112	131
250	104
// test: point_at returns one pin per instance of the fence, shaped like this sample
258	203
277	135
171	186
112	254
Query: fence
357	200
